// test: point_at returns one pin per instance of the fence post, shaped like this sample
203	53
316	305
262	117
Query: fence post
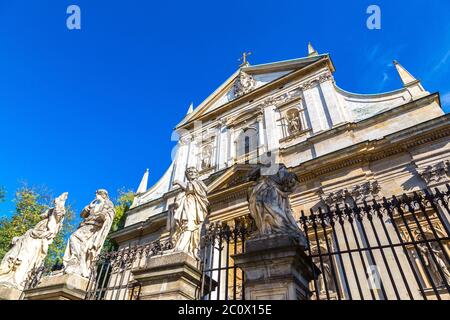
170	276
276	268
59	287
9	293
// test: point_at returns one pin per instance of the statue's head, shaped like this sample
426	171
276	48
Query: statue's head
286	179
290	182
61	200
101	194
191	173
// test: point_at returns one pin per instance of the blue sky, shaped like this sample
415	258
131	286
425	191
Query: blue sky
89	109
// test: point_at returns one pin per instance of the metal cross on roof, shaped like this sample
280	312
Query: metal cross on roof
244	57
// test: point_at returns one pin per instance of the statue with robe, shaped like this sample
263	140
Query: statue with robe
270	207
29	250
294	123
187	214
86	242
434	267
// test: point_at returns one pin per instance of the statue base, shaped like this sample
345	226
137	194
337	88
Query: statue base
59	287
9	293
171	276
276	268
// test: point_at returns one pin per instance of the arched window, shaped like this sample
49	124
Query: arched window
247	145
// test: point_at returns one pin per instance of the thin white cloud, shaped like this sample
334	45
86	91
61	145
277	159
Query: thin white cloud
379	64
372	52
442	62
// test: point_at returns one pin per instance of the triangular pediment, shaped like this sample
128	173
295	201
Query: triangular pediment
245	80
232	177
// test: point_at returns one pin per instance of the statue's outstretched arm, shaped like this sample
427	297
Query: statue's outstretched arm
179	183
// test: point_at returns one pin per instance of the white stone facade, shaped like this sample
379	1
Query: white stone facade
295	110
341	145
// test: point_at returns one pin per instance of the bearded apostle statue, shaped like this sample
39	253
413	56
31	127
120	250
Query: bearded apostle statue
29	251
188	213
87	241
269	204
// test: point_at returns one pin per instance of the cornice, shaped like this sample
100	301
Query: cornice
356	125
375	150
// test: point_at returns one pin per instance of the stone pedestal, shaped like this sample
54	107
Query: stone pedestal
59	287
171	276
9	293
276	268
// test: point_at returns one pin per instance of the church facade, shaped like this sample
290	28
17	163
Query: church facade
351	152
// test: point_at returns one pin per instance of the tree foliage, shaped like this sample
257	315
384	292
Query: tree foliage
31	202
122	204
2	194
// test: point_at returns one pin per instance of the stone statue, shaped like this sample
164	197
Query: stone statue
325	277
270	207
429	262
86	242
29	251
188	213
294	124
206	157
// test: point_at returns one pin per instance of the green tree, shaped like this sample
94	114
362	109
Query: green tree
2	194
58	247
122	204
31	202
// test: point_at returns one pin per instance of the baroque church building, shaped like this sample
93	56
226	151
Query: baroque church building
351	153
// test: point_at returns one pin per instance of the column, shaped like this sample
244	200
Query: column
193	151
261	135
272	133
181	158
222	146
231	146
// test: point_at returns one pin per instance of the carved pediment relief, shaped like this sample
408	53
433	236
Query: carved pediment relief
244	84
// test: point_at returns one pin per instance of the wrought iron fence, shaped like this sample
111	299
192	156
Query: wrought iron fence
382	250
111	277
35	275
387	249
222	279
